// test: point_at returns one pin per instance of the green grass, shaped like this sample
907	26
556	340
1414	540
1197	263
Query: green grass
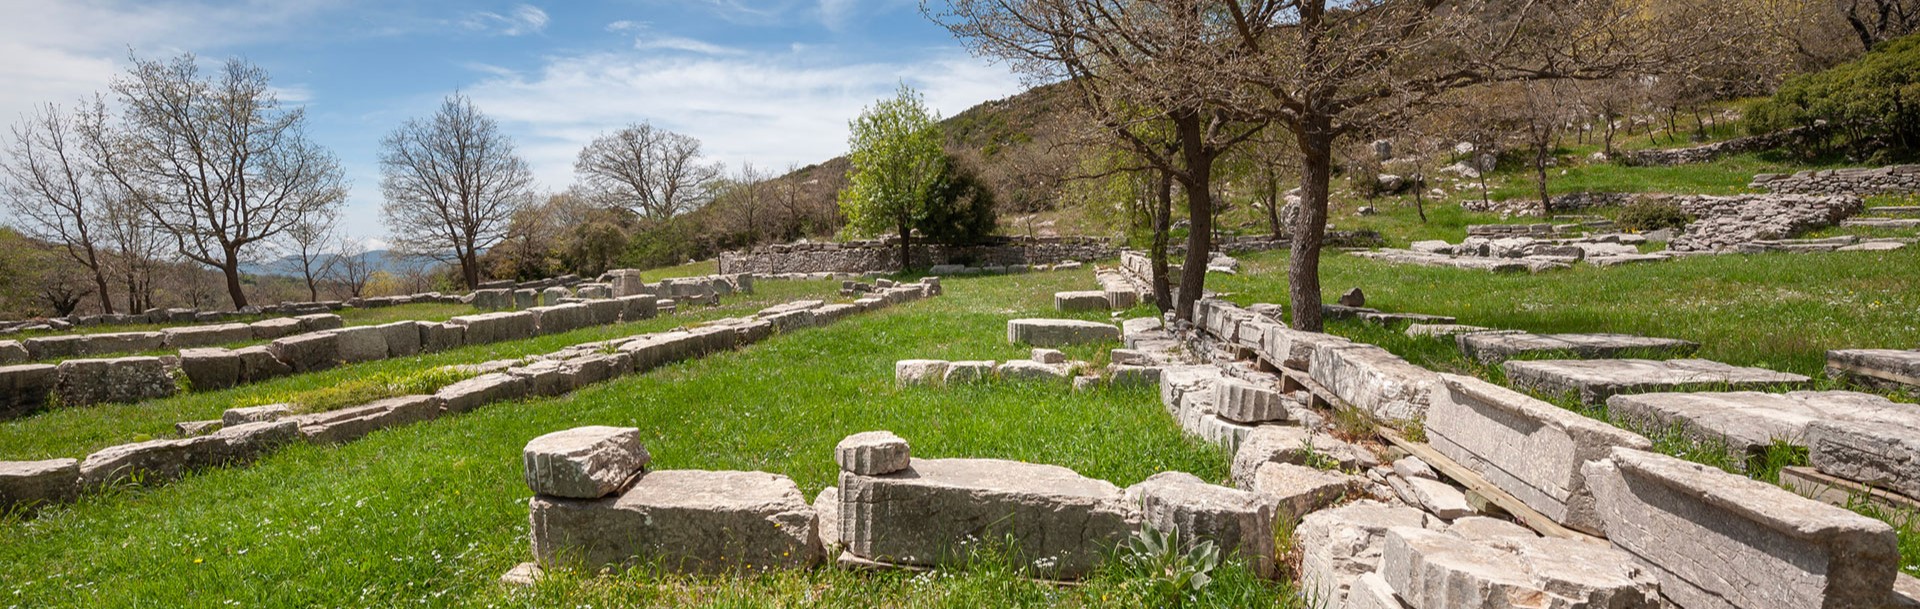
426	311
431	514
691	269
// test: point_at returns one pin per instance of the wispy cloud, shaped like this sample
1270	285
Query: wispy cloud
522	20
676	43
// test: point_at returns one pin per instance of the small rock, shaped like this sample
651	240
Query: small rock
1353	298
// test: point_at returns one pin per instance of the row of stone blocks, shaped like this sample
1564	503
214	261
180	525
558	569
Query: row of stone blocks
618	283
244	433
85	345
1116	293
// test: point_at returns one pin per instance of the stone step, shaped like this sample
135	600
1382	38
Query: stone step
1892	210
1493	348
1881	223
1593	381
1747	423
1888	368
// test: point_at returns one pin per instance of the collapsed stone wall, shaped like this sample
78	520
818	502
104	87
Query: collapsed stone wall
1723	223
883	255
1709	152
1859	181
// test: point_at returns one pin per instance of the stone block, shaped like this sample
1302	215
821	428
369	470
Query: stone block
53	347
790	320
255	414
584	462
1068	302
552	296
437	337
211	368
1339	545
360	344
118	380
682	520
1438	569
279	327
30	484
119	342
1048	356
1296	445
1747	423
1442	330
1240	522
349	424
203	336
481	390
148	463
308	352
1289	348
1241	401
1371	591
1376	381
496	327
1133	376
872	453
1876	454
1298	490
1059	332
1767	546
826	507
197	428
319	322
258	363
555	319
1596	380
1496	347
1534	450
526	298
1888	368
919	372
928	513
544	378
402	338
967	372
1029	370
1439	498
12	352
245	442
604	312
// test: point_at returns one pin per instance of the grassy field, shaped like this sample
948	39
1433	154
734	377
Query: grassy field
432	514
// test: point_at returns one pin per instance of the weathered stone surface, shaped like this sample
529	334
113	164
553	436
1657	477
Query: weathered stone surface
211	368
1029	370
967	372
1240	522
150	462
1874	453
1080	301
197	428
682	520
1289	348
1888	368
1492	348
12	352
1339	545
555	319
584	462
495	327
1133	376
1296	445
1049	356
1376	381
1722	540
872	453
258	363
603	312
27	484
1747	423
255	414
402	338
1412	467
1059	332
25	388
1596	380
360	344
53	347
269	329
927	513
481	390
638	307
1245	402
1438	569
1443	330
544	378
118	342
1371	591
306	352
826	508
318	322
1482	528
201	336
1531	449
1439	498
552	296
1299	490
349	424
437	337
244	442
118	380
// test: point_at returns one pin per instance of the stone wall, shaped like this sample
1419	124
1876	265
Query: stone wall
883	255
1708	152
1858	181
1723	223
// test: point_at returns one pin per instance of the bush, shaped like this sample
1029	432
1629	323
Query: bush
1869	103
1643	216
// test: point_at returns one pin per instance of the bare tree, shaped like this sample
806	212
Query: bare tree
657	173
138	247
305	244
217	162
351	269
53	186
452	184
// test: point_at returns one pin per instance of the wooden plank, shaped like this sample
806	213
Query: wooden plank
1467	477
1810	483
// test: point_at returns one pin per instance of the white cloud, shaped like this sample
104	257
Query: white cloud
768	109
676	43
522	20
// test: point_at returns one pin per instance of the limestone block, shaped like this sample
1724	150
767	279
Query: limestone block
919	371
1375	380
437	337
495	327
150	462
201	336
481	390
1492	348
1412	467
258	363
53	347
308	352
26	484
790	320
1059	332
349	424
826	507
1080	301
1244	402
1049	356
872	453
1596	380
1298	490
25	388
318	322
119	342
1187	391
1296	445
118	380
360	344
925	514
604	312
682	520
526	298
1483	528
1768	546
1876	454
244	442
1439	498
584	462
551	296
1133	376
1889	368
1029	370
1747	423
1289	348
12	352
1371	591
402	338
255	414
967	372
1438	569
196	428
596	367
1442	330
211	368
1240	522
1529	448
555	319
1339	545
544	378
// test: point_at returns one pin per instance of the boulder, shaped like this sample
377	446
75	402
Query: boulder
1240	522
1339	545
308	352
1769	546
1596	380
1059	332
584	462
872	453
29	484
349	424
682	520
211	368
119	380
927	514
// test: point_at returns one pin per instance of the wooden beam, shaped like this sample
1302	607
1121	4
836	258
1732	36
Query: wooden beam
1810	483
1474	482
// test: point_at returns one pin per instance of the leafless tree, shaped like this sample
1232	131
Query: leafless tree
747	202
305	244
351	269
54	188
216	161
657	173
138	248
452	183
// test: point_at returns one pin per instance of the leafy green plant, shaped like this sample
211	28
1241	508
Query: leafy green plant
1642	216
1169	570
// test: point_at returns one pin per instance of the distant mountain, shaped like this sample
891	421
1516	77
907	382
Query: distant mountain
379	260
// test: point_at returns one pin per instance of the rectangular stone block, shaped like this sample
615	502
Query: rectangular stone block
681	520
29	485
437	337
1888	368
1289	348
481	390
151	462
349	424
119	342
319	322
12	352
402	338
1722	540
360	344
306	352
118	380
1441	569
1081	301
279	327
1873	453
1059	332
258	364
1491	348
25	388
1747	423
1593	381
1339	545
1534	450
603	312
496	327
584	462
555	319
211	368
204	336
638	307
1376	381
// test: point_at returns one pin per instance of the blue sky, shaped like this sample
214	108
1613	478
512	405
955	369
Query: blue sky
767	82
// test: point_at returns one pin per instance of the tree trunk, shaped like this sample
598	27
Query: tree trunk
906	247
1303	270
469	269
231	269
1162	222
1419	196
1540	156
1197	182
100	282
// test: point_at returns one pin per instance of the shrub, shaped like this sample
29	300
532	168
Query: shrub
1643	216
1869	103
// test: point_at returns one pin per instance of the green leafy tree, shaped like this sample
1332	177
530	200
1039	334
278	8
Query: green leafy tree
897	163
960	209
1871	103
